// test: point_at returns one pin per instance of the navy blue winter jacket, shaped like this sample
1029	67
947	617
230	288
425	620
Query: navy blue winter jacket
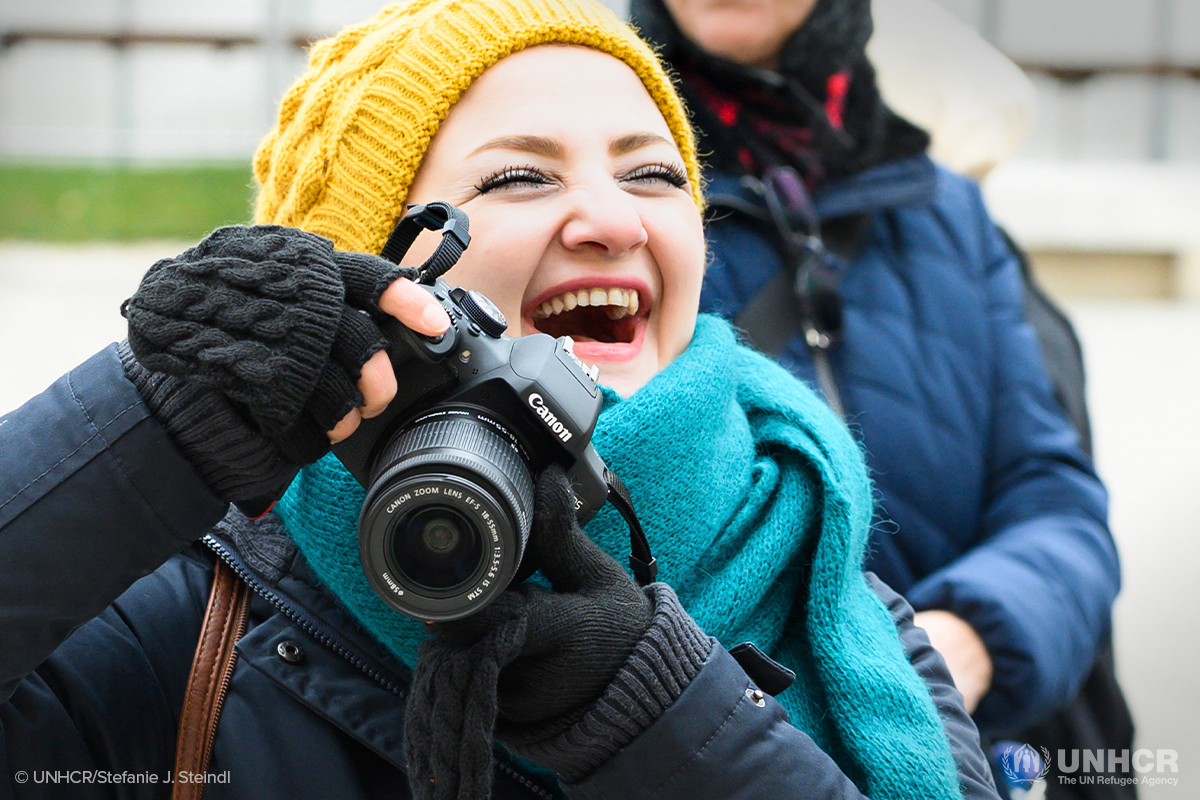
989	508
102	594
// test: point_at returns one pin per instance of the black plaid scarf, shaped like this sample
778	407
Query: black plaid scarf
820	113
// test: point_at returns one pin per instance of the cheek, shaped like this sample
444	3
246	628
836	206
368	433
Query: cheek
480	269
795	13
500	262
680	258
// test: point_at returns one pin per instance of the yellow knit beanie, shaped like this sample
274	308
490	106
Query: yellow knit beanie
353	130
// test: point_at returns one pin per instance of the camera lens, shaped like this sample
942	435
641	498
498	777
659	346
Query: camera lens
447	514
438	547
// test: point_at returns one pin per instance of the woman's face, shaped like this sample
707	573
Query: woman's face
582	218
750	32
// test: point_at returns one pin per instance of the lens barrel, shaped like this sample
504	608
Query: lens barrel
447	514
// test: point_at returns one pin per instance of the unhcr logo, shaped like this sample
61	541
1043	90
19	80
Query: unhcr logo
1023	765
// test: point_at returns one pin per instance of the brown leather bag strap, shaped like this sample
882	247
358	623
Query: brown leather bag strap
212	667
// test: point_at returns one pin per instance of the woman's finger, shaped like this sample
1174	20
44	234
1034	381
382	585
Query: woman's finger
414	307
347	426
377	384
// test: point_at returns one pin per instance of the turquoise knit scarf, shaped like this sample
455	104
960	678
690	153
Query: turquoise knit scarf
757	503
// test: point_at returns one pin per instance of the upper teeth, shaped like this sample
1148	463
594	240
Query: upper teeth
620	302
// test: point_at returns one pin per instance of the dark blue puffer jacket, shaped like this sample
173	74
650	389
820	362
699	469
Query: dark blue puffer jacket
989	508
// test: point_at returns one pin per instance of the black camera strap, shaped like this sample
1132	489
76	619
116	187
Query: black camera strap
443	217
641	560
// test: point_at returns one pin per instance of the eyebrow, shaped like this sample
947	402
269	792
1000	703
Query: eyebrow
552	148
636	141
541	145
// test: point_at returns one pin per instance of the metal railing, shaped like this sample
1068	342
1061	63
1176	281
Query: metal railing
120	39
125	39
1072	73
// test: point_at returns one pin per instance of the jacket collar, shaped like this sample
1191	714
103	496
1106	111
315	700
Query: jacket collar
265	555
910	181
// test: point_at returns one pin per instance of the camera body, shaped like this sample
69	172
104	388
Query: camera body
450	463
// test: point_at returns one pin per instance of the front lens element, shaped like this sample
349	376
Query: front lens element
436	547
440	535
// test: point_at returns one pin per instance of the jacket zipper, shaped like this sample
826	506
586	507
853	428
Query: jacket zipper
319	632
304	620
526	782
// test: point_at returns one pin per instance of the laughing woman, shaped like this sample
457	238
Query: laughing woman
556	130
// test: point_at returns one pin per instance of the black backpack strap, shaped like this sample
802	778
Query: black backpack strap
1060	347
770	320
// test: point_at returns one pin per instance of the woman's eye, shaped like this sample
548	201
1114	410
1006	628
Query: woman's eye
671	174
512	177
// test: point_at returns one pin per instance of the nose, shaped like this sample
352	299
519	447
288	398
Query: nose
603	219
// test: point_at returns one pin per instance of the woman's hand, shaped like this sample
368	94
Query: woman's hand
418	310
527	667
965	654
259	347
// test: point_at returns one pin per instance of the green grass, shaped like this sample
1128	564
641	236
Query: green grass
82	203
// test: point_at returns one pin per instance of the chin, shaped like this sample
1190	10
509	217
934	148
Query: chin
622	380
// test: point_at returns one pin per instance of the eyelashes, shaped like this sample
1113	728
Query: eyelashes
529	175
511	176
671	173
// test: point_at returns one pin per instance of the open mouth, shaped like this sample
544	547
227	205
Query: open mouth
607	315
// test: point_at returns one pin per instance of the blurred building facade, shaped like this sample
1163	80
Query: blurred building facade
1107	178
152	80
1116	79
169	79
1105	189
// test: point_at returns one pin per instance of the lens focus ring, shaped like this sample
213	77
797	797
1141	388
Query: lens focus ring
468	443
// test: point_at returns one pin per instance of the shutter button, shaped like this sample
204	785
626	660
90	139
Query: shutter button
755	695
290	652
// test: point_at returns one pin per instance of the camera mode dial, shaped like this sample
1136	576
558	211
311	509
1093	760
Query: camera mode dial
480	310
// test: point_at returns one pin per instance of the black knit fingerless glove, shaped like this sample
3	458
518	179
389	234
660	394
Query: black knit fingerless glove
248	347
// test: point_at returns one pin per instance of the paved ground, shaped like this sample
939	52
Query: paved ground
58	305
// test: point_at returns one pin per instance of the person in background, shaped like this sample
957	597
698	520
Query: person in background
872	273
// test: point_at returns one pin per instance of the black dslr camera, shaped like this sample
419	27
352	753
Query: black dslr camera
449	466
